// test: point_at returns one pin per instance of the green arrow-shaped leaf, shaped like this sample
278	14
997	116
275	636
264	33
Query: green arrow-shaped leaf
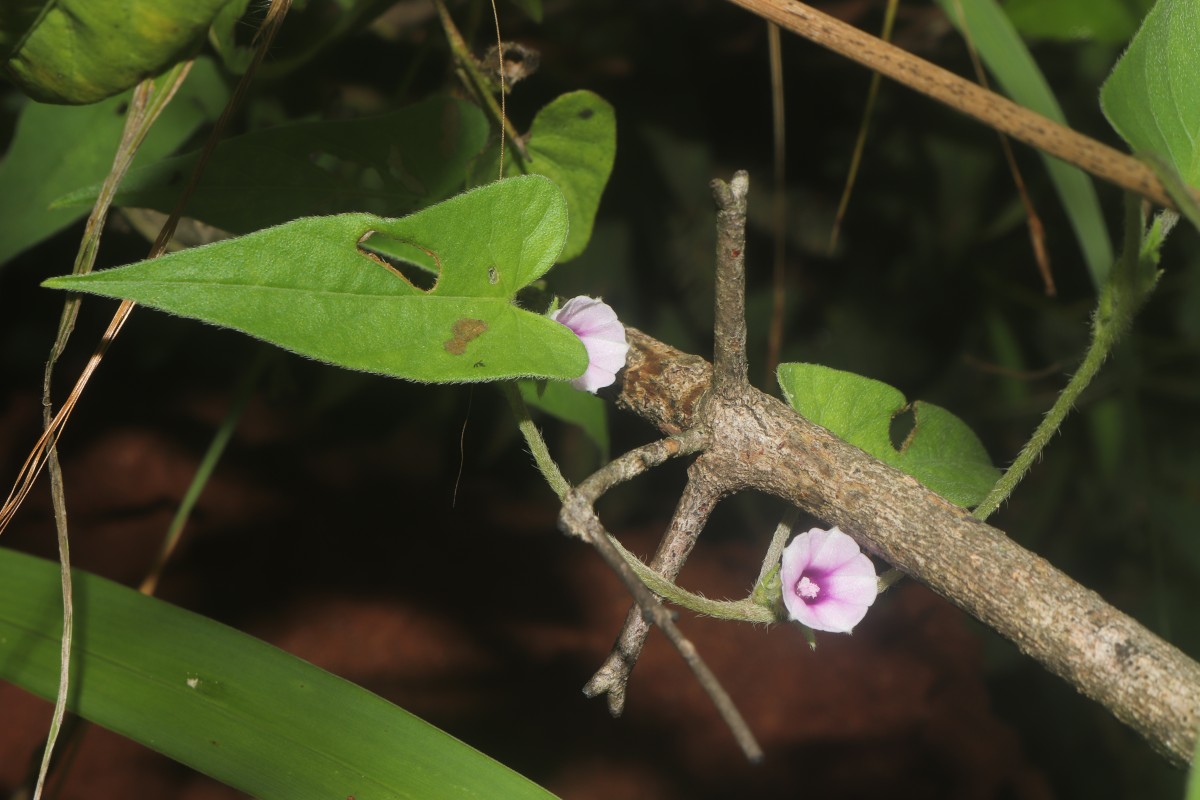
308	287
58	148
940	451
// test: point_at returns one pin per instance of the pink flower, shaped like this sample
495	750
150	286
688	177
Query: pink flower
828	583
603	335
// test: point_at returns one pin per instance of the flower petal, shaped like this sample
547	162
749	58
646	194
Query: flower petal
844	578
832	549
602	334
835	617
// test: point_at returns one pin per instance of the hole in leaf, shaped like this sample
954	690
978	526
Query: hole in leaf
901	427
418	266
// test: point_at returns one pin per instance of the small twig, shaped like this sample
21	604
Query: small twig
730	368
703	488
477	81
216	448
860	141
147	104
691	513
778	204
579	518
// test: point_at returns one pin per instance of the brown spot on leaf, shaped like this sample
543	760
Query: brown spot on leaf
464	330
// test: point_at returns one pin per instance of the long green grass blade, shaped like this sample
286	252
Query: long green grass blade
1009	60
226	704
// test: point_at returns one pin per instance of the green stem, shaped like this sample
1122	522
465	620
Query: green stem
480	84
204	471
533	437
745	610
1119	301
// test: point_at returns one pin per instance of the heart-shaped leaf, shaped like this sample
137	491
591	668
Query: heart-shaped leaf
572	141
1152	97
940	451
390	164
308	287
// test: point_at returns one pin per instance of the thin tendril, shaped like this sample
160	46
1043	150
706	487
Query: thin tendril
503	93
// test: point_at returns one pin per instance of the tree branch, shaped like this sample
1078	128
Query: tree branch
762	444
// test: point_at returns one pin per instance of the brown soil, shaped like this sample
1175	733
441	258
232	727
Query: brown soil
349	554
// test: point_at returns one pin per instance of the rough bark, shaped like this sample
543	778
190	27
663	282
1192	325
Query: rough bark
1144	681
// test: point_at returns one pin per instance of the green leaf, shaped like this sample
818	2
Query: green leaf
306	286
1007	57
391	164
227	704
82	51
532	8
312	25
1183	195
58	148
564	402
940	451
573	141
1103	21
1152	97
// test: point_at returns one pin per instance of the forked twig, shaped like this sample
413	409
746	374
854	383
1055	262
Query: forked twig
691	513
578	518
706	485
707	482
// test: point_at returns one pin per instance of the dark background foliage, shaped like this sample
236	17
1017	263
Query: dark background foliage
397	534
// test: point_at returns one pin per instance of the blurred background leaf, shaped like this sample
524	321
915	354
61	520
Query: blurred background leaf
56	149
1150	98
390	165
82	51
1007	58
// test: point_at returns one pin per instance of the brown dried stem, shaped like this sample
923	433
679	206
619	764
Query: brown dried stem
691	513
578	518
705	485
992	109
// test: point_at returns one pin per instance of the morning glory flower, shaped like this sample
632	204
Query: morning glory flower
828	583
603	335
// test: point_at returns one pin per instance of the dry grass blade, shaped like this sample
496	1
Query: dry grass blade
860	142
36	461
1037	231
992	109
